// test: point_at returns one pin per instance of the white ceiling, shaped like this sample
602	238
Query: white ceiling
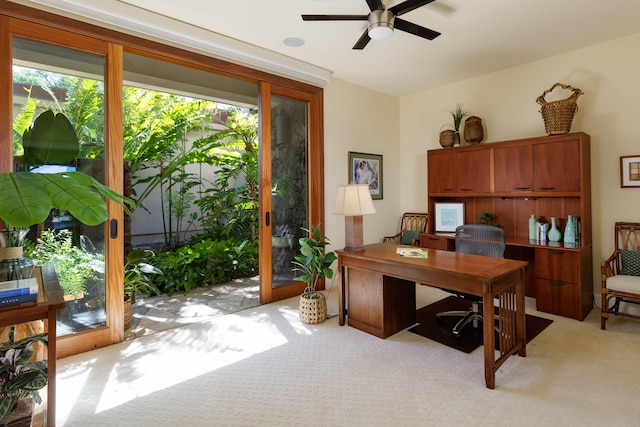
478	36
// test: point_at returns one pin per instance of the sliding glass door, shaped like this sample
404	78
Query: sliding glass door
53	71
289	158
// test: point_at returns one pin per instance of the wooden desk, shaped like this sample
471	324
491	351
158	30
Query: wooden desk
50	300
381	295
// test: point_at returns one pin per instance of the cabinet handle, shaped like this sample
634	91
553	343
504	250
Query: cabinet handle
466	189
433	238
523	188
555	252
547	188
555	283
449	189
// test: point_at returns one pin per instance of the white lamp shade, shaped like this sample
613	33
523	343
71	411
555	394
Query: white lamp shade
353	200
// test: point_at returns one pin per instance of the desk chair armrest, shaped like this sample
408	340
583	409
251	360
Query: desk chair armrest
392	239
610	267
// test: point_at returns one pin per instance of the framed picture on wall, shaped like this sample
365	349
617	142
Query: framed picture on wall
448	216
630	171
366	169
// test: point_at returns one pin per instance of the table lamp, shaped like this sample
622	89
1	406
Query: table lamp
353	201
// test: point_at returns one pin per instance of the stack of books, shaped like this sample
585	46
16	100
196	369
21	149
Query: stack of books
18	292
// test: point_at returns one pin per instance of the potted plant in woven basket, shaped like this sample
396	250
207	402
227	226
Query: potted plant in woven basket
315	264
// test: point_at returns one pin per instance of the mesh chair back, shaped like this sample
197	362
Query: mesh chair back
481	239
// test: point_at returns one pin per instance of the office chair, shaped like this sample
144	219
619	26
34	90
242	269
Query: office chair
476	239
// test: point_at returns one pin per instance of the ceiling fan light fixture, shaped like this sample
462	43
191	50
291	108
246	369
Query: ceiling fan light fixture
380	24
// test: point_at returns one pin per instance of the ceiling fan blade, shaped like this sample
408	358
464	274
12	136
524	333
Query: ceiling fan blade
409	27
375	5
335	17
362	41
408	6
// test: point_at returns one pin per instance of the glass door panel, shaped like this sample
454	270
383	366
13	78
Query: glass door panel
289	178
71	82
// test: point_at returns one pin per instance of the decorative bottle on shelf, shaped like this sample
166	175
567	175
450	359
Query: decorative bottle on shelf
570	231
554	234
533	227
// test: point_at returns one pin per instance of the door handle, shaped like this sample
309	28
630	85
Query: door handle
267	219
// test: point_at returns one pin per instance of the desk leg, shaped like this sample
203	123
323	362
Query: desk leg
521	317
489	338
51	370
341	293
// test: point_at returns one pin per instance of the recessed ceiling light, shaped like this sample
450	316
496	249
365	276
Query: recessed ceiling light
293	41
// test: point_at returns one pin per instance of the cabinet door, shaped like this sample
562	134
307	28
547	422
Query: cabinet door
556	166
557	282
474	169
559	298
513	169
556	264
441	171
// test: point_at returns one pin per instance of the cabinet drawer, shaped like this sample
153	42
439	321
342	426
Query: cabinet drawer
557	265
430	241
557	297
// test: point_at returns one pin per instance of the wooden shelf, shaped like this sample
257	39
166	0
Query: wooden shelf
545	176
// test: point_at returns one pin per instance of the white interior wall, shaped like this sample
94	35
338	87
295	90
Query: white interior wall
505	100
361	120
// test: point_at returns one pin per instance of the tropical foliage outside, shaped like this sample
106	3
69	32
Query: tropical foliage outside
209	224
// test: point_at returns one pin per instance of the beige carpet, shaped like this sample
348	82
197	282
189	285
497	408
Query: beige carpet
262	367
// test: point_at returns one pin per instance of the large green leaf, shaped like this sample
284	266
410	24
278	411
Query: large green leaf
51	140
23	199
69	193
27	198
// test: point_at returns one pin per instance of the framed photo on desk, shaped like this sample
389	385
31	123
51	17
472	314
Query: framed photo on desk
448	216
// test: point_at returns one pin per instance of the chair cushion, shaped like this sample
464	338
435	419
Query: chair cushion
624	283
630	261
408	236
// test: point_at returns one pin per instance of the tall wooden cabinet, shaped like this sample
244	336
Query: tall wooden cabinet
547	177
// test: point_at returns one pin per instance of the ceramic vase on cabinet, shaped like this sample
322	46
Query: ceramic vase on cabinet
570	231
533	227
554	234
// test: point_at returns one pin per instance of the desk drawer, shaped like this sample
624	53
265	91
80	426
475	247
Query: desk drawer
431	241
558	297
557	265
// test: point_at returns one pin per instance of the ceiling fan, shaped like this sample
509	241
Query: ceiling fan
382	21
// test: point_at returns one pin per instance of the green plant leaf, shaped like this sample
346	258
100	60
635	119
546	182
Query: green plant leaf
23	199
51	140
6	404
27	198
69	193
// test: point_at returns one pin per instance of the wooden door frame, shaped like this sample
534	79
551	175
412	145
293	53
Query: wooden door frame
315	181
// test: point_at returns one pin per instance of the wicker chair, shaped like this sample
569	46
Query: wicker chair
621	272
411	225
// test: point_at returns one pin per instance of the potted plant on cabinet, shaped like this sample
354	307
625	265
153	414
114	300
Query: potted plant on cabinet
315	264
20	378
458	114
